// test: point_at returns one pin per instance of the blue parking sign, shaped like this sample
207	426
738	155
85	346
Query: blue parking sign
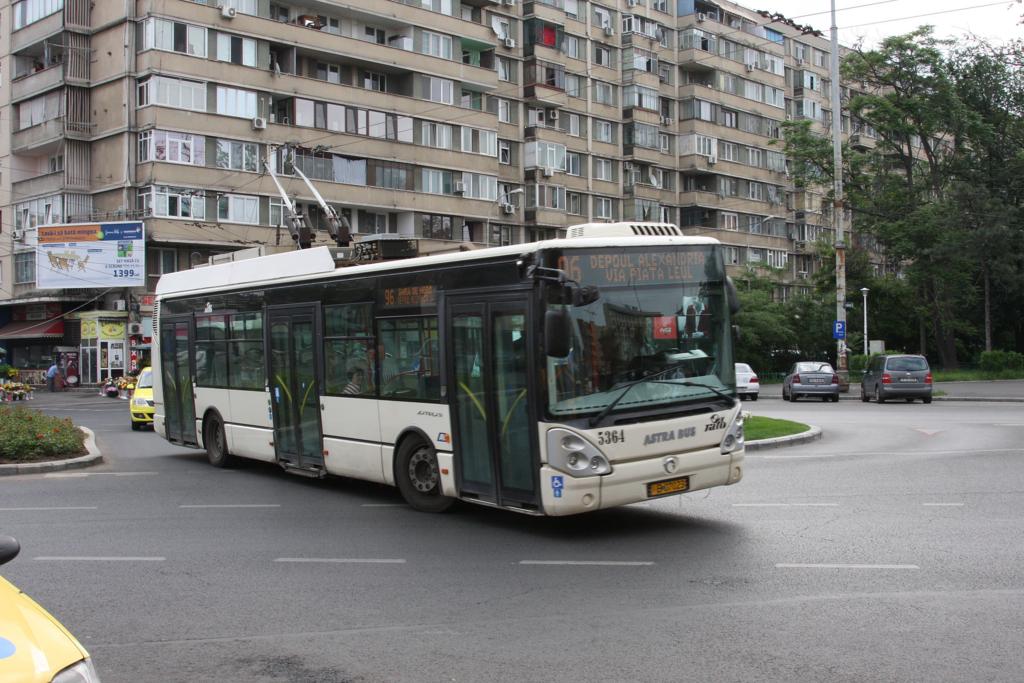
839	329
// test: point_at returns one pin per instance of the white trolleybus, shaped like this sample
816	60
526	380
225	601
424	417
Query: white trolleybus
554	378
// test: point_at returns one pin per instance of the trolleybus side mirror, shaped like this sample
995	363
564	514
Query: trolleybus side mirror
9	549
586	295
732	296
557	333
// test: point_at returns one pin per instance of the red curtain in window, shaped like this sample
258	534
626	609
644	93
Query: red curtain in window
548	37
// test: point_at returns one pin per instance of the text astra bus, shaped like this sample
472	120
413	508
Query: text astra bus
554	378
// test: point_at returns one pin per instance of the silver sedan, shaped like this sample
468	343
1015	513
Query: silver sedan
811	379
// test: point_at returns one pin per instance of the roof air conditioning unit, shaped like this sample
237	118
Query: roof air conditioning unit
701	16
259	123
459	187
135	329
228	12
609	31
548	171
508	209
510	43
120	305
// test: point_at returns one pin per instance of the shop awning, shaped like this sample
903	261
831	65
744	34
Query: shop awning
33	329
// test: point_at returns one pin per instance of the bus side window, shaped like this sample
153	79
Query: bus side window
409	358
348	350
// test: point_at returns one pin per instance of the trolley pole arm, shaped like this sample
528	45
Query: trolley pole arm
337	225
297	226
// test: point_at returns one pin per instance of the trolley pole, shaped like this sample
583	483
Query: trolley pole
837	201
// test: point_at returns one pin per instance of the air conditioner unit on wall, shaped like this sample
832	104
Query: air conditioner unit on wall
609	31
120	305
259	123
508	209
510	43
135	329
548	171
458	187
228	12
701	16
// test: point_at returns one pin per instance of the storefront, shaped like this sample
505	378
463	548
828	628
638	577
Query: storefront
31	336
104	345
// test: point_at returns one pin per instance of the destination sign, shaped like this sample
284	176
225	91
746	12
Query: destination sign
637	267
423	295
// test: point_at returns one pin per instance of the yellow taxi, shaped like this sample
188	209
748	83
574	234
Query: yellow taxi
141	405
34	647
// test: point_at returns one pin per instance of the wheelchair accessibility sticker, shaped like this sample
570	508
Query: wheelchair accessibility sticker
557	484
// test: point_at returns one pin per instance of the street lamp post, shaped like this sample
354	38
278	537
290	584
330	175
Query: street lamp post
864	291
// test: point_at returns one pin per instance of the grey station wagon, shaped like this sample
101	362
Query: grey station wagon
896	377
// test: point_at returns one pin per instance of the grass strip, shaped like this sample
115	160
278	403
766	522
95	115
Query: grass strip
757	427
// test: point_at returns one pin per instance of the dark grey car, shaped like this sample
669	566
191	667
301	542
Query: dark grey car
896	377
811	378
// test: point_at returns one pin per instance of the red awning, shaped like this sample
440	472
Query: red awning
32	329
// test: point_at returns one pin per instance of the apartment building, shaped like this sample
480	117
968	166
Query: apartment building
457	122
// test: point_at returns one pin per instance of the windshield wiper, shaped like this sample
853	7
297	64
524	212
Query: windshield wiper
626	387
717	392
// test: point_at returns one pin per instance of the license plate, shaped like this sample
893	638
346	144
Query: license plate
817	380
667	487
907	379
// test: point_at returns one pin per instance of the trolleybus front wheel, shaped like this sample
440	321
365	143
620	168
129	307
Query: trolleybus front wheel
419	478
216	442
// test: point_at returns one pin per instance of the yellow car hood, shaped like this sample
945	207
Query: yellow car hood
34	647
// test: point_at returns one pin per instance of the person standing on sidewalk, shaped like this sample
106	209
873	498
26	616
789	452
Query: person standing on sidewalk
51	378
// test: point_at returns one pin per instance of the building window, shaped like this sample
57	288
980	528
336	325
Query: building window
25	268
239	156
173	202
505	111
604	93
440	90
603	131
436	135
572	163
173	36
603	169
175	148
235	208
730	221
435	44
602	56
573	203
30	11
603	207
236	50
506	70
236	102
158	262
504	152
374	80
174	92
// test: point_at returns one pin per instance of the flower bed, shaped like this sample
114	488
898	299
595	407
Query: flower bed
28	435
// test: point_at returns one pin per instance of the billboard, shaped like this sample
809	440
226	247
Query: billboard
89	255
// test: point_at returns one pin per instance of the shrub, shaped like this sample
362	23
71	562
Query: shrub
997	361
28	435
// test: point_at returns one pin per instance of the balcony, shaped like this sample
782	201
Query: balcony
48	132
36	32
36	82
50	183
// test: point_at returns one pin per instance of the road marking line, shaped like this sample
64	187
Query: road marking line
384	505
45	509
588	563
846	566
339	560
943	505
72	558
785	505
893	453
66	475
201	507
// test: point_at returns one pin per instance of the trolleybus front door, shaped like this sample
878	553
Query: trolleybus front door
176	378
294	392
489	371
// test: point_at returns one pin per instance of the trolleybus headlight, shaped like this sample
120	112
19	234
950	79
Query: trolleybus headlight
140	402
733	440
572	454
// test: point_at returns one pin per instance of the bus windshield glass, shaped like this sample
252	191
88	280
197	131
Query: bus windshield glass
658	335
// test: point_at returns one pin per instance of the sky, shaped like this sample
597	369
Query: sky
995	21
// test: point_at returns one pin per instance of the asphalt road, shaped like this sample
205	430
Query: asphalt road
1001	389
889	550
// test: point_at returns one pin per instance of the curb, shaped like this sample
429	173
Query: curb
93	458
813	434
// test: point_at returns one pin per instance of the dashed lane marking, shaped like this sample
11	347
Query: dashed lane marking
340	560
785	505
253	505
845	566
45	509
587	563
943	505
80	558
